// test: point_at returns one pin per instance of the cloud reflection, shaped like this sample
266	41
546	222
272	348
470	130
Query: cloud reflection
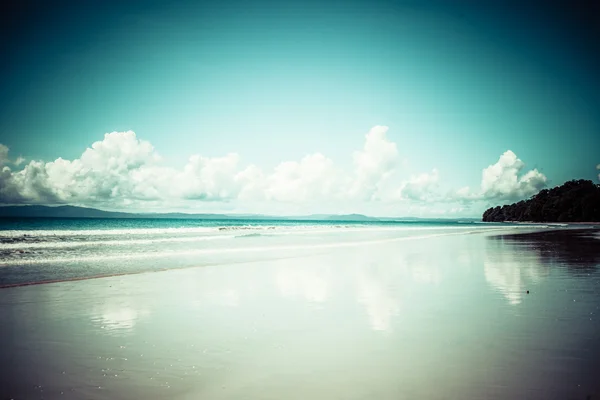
122	318
308	281
428	275
227	297
511	270
379	302
423	268
119	318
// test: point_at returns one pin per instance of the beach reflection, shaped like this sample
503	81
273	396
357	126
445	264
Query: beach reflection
123	319
516	263
379	303
118	314
578	250
227	297
511	270
300	279
424	269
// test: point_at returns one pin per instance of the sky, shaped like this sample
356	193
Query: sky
384	108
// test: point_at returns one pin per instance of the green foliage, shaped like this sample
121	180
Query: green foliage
574	201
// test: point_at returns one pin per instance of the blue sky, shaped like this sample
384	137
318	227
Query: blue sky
457	84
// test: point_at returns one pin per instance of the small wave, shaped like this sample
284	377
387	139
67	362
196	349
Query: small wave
194	252
103	232
25	235
58	239
253	227
250	235
115	242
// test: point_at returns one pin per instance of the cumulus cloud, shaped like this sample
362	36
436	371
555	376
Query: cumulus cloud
501	180
504	181
209	178
117	170
109	170
123	171
374	164
422	187
314	178
598	167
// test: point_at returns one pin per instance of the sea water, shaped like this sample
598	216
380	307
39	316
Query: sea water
34	250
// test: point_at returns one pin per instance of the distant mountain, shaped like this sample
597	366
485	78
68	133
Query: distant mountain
418	219
31	211
574	201
59	212
83	212
329	217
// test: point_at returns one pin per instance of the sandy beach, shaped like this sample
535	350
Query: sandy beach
471	316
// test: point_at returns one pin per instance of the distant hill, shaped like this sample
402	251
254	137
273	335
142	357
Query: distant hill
350	217
574	201
60	212
34	211
84	212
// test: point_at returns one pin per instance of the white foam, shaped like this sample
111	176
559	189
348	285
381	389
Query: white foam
103	232
179	253
200	230
115	242
42	239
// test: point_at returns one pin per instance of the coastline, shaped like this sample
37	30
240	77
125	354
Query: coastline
61	255
307	250
593	224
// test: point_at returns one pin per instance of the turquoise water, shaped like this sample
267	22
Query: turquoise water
146	223
36	250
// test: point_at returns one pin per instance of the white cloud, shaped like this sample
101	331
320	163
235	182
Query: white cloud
466	194
252	182
422	187
208	178
314	178
117	171
374	164
598	167
123	171
501	181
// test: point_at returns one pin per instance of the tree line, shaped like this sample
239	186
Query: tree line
574	201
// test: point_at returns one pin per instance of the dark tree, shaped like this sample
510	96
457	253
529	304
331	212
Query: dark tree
574	201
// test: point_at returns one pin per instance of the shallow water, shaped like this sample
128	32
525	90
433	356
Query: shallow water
437	317
43	249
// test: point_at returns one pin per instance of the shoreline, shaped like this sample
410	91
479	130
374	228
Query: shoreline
548	223
490	233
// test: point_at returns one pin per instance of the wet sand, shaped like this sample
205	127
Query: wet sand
438	318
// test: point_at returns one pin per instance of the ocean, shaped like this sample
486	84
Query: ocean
34	250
